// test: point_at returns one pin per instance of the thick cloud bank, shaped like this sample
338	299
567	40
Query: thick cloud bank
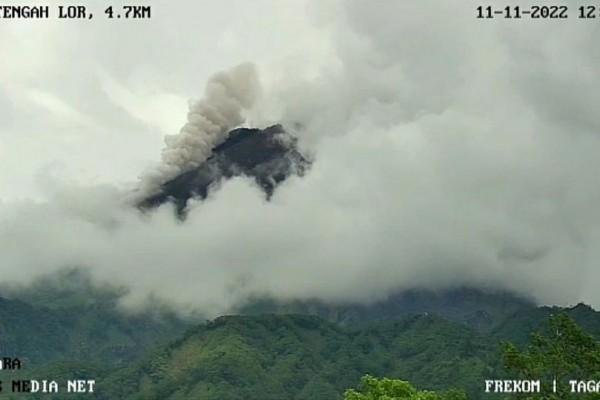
448	151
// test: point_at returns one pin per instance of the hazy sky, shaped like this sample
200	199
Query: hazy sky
449	150
92	100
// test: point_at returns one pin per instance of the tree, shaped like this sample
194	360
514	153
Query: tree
562	353
394	389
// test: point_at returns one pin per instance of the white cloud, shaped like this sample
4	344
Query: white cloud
448	151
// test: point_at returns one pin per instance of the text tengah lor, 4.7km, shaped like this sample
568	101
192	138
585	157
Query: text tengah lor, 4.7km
76	12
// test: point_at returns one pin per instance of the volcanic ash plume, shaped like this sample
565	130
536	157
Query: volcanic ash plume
226	96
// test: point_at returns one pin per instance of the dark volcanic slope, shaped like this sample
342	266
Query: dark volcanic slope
269	156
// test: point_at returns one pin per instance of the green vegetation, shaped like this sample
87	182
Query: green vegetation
295	357
477	309
103	334
305	357
394	389
67	319
563	352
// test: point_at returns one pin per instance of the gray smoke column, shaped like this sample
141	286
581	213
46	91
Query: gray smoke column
227	95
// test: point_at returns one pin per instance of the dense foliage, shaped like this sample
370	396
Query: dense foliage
480	310
394	389
278	356
305	357
563	352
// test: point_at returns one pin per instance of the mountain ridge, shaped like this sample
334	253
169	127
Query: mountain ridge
268	156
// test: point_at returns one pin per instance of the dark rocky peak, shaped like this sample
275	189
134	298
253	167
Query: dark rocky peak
268	156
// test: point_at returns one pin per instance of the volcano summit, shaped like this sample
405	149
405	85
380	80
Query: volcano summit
268	155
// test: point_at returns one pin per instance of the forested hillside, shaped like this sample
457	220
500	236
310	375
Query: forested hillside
262	356
304	357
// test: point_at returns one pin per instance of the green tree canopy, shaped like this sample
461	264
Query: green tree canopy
394	389
563	352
